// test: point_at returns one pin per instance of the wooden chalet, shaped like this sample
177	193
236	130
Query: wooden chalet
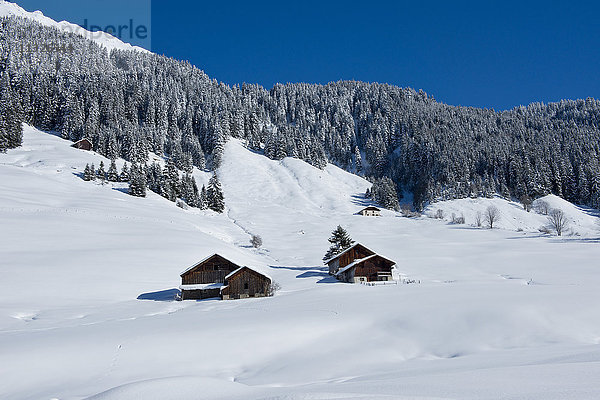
346	257
205	278
216	276
370	211
360	264
369	269
83	144
245	282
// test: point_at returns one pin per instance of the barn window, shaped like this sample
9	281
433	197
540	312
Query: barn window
245	285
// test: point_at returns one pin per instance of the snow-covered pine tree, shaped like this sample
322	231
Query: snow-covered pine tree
112	175
101	173
93	172
357	160
171	187
214	194
88	173
203	205
340	240
189	191
137	181
384	192
125	174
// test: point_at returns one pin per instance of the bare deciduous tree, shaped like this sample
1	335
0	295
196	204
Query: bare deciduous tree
526	201
458	220
542	207
492	215
558	221
478	217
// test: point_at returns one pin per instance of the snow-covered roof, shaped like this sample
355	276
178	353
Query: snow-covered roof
252	269
371	208
203	260
345	251
202	286
360	260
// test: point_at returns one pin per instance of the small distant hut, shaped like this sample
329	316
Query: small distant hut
346	257
373	268
83	144
245	282
216	276
370	211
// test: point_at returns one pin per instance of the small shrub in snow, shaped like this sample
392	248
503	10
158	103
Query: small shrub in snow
256	241
181	204
274	287
545	230
439	214
458	220
408	212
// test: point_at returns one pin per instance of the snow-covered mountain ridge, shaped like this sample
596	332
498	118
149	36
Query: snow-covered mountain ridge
104	39
89	274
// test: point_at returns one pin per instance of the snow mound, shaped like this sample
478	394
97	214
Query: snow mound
8	9
512	216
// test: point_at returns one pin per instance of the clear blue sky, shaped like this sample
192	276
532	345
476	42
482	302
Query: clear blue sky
483	53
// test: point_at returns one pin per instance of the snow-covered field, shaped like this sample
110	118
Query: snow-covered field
88	274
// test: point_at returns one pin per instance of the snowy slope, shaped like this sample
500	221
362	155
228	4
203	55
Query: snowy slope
497	313
104	39
512	216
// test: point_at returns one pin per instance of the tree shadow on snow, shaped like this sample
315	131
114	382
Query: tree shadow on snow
361	200
121	189
161	295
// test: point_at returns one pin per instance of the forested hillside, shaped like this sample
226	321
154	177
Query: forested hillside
131	103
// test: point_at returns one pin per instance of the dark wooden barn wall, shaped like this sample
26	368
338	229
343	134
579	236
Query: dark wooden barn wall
200	294
354	254
257	284
215	269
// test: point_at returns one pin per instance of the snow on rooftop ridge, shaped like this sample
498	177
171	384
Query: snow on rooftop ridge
347	250
255	269
8	9
241	266
360	260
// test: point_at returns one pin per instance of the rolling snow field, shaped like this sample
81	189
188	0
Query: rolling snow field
89	274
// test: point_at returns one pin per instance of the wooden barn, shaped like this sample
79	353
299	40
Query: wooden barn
205	278
245	282
370	211
369	269
216	276
348	256
83	144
